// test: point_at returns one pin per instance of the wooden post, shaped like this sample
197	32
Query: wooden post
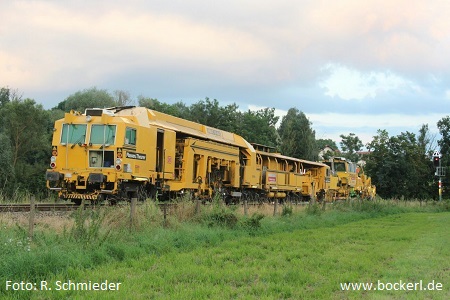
245	207
311	201
31	223
165	214
275	207
132	212
197	206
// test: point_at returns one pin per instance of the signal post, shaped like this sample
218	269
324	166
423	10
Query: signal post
440	171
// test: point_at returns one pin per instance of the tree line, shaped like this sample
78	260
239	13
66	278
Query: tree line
400	166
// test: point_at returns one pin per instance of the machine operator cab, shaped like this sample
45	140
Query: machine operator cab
89	153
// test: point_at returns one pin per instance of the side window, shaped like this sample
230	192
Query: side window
130	136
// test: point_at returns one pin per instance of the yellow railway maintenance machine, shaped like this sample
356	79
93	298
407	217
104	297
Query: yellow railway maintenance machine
128	152
347	180
288	178
125	152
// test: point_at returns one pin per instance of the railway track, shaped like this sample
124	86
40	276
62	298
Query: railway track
24	207
19	207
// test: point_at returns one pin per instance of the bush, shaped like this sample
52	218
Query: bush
253	223
314	209
287	210
223	217
87	227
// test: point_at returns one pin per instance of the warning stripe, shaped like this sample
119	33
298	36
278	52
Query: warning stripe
82	196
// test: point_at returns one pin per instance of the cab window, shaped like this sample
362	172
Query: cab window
130	136
73	133
339	166
103	134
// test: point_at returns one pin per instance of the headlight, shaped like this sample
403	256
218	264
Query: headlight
118	161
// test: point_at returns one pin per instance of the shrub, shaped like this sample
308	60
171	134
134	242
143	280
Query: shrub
287	210
220	217
314	209
87	227
253	223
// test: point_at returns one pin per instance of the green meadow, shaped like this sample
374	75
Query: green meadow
302	253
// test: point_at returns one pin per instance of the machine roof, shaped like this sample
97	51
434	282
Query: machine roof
155	118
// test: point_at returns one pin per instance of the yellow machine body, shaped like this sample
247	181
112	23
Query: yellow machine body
126	152
347	180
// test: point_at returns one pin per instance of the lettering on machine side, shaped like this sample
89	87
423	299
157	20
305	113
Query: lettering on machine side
213	131
134	155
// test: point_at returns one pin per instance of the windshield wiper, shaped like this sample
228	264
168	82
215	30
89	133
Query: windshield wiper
83	137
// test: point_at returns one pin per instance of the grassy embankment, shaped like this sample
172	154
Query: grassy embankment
221	254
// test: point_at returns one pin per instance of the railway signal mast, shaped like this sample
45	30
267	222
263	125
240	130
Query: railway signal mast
440	171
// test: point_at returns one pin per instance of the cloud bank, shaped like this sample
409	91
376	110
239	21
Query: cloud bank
337	60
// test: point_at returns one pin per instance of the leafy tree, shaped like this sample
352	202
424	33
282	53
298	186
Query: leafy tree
322	143
4	96
205	112
208	112
88	98
350	144
56	114
178	109
229	120
297	136
122	98
444	145
7	173
426	140
400	165
254	126
26	127
259	127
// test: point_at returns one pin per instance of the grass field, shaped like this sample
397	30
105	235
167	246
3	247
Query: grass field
309	254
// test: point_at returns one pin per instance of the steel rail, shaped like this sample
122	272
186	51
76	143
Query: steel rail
19	207
24	207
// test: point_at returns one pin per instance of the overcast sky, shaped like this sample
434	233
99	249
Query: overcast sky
349	65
